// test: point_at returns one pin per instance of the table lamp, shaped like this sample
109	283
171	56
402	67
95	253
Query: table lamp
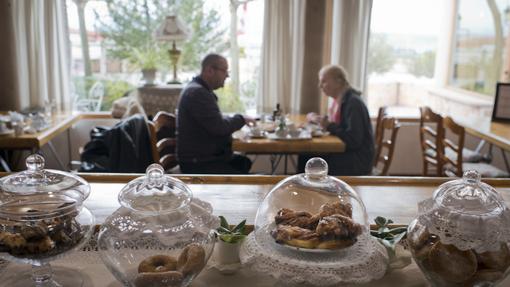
173	30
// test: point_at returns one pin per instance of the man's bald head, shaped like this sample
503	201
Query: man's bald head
214	70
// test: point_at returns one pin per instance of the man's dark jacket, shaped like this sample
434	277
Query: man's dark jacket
203	133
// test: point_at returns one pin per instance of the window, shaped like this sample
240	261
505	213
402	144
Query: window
117	43
479	58
402	50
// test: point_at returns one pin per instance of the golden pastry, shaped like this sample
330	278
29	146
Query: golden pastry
191	260
337	226
452	264
158	263
290	217
338	207
295	236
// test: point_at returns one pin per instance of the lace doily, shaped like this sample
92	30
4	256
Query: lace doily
466	231
364	261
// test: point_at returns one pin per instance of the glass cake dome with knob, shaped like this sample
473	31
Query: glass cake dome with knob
160	236
461	236
42	217
315	227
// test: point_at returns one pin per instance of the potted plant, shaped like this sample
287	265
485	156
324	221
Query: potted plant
229	241
147	59
389	238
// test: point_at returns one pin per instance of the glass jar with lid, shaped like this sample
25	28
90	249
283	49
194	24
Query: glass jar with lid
461	236
42	217
160	236
312	228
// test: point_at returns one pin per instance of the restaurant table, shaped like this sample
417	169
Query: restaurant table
60	123
237	198
282	148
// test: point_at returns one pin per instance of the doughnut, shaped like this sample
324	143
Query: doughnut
157	263
159	279
191	260
451	264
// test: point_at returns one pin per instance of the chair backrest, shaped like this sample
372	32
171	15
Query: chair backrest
163	141
453	166
431	141
383	112
386	145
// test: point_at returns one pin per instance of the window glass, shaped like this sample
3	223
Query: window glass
402	50
112	41
478	58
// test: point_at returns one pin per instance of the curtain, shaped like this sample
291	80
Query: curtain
282	52
42	53
351	26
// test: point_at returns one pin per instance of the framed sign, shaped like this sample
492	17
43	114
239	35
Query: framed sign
501	111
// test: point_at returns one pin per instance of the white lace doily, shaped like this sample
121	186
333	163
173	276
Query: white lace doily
364	261
466	231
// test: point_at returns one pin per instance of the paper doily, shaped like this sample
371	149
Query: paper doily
363	262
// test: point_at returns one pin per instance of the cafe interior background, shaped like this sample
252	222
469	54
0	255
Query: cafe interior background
447	55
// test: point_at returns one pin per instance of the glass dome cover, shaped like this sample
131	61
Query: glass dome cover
312	229
36	184
309	193
467	213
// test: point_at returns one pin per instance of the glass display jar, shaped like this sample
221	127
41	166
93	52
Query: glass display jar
160	236
461	236
313	229
42	217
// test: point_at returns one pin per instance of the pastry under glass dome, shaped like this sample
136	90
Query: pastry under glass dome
41	219
313	228
461	236
160	236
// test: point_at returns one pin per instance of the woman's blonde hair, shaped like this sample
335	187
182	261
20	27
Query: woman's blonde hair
338	73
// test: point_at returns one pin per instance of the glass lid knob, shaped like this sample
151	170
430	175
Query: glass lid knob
471	177
316	168
35	162
155	173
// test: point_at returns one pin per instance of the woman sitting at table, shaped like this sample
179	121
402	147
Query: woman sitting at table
349	120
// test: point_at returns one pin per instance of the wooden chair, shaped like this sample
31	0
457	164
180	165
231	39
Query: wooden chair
431	134
385	145
383	112
163	141
454	165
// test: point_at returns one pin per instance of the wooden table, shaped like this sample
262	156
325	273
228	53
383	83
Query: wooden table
60	123
279	149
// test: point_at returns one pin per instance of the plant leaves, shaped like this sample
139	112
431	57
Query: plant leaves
240	227
224	223
398	230
223	230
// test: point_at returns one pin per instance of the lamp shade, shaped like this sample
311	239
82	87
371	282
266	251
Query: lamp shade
171	29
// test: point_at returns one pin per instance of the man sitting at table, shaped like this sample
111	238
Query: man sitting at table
349	120
204	135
